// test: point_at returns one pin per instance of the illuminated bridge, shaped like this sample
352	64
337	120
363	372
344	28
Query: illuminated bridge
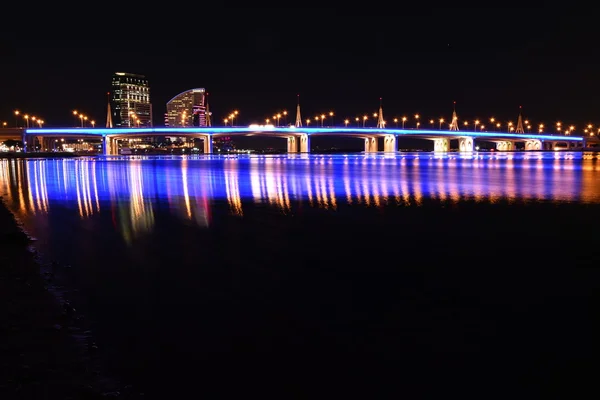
298	139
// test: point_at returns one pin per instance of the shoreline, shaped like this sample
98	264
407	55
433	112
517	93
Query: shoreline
45	351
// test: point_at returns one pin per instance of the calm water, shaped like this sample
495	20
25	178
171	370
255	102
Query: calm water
361	272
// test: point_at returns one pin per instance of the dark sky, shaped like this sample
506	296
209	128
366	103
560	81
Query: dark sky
256	60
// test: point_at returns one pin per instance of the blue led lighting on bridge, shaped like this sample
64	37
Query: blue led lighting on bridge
297	131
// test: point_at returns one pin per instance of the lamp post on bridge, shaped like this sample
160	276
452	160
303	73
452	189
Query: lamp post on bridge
441	122
403	121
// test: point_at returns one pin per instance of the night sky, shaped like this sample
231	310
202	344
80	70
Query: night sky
418	60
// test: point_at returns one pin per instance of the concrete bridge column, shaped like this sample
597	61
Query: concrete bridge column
505	145
105	146
389	144
47	144
109	146
533	144
370	145
208	144
24	140
465	144
304	143
441	144
292	145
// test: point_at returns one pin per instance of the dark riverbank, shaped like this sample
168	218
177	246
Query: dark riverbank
43	352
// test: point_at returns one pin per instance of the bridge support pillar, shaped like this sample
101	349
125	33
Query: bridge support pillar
208	144
465	144
304	143
109	146
292	145
533	144
370	145
24	140
46	144
441	144
505	145
389	143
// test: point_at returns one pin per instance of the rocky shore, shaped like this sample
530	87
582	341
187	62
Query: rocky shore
44	351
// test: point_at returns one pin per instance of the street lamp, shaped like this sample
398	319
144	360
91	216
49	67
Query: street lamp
364	120
308	122
346	122
403	121
16	118
396	122
476	123
417	118
357	122
441	122
322	119
431	122
331	115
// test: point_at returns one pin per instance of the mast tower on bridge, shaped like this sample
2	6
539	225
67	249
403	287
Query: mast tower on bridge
520	123
454	123
109	122
380	121
298	123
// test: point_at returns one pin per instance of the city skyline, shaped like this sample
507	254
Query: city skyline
418	62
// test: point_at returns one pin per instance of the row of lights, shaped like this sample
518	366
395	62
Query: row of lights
83	118
277	117
231	118
29	120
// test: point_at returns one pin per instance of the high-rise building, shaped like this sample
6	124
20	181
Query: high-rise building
187	109
130	101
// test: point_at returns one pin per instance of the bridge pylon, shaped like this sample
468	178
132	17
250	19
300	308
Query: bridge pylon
207	115
298	123
109	121
380	121
520	123
454	123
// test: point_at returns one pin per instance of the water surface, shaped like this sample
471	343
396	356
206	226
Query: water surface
332	271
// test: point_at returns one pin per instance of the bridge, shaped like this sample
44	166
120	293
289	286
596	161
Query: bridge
298	138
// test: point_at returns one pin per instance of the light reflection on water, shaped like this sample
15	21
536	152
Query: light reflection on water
131	189
207	259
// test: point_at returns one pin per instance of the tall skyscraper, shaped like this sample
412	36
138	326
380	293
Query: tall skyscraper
187	109
130	101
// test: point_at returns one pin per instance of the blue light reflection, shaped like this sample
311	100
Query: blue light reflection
132	189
